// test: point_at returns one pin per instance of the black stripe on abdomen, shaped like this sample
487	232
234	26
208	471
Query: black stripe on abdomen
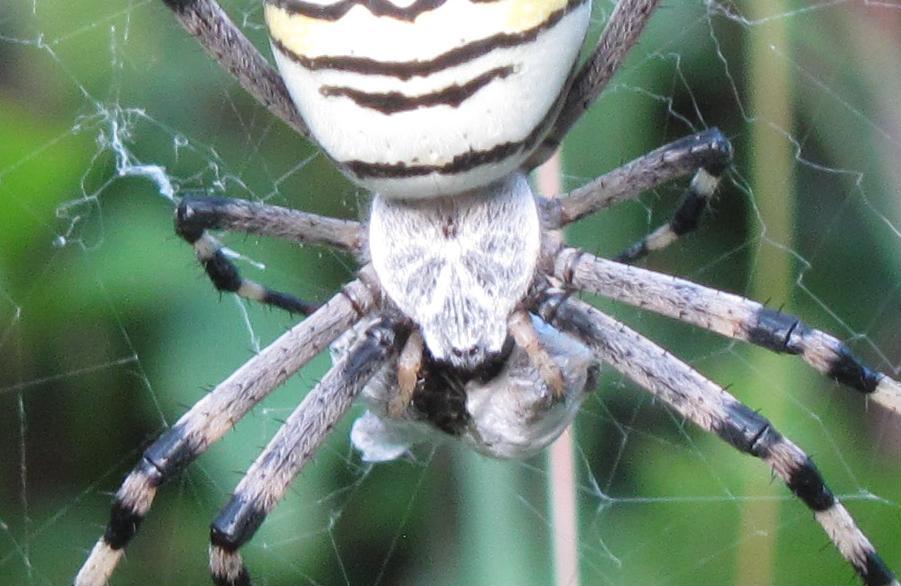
459	164
393	102
337	10
462	162
405	70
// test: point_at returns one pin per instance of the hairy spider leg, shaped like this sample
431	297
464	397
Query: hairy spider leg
212	417
685	219
523	332
729	315
293	446
707	154
195	216
224	42
620	34
714	410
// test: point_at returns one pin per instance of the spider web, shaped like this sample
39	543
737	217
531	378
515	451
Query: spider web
108	330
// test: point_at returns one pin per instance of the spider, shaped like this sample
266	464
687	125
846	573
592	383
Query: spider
462	321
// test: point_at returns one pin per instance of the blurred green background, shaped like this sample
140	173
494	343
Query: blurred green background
108	329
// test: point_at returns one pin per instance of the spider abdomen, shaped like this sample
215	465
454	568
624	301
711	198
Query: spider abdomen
458	266
429	98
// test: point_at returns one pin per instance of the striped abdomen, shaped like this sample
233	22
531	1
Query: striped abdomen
429	97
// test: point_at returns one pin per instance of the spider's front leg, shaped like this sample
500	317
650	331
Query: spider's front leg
713	409
729	315
212	417
297	440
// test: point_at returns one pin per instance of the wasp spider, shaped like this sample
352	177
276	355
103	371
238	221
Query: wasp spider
461	320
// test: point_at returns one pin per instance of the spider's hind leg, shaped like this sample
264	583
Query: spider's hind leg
225	42
620	34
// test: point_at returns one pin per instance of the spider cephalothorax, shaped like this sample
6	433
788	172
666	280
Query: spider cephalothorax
462	320
458	266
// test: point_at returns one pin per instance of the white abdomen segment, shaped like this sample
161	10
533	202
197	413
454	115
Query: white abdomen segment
458	266
431	98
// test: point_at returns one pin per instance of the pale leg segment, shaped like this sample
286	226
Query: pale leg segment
686	218
225	43
297	440
729	315
212	417
620	34
713	409
708	151
526	337
195	216
409	366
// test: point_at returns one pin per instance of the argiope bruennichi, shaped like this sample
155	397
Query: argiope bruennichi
461	321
